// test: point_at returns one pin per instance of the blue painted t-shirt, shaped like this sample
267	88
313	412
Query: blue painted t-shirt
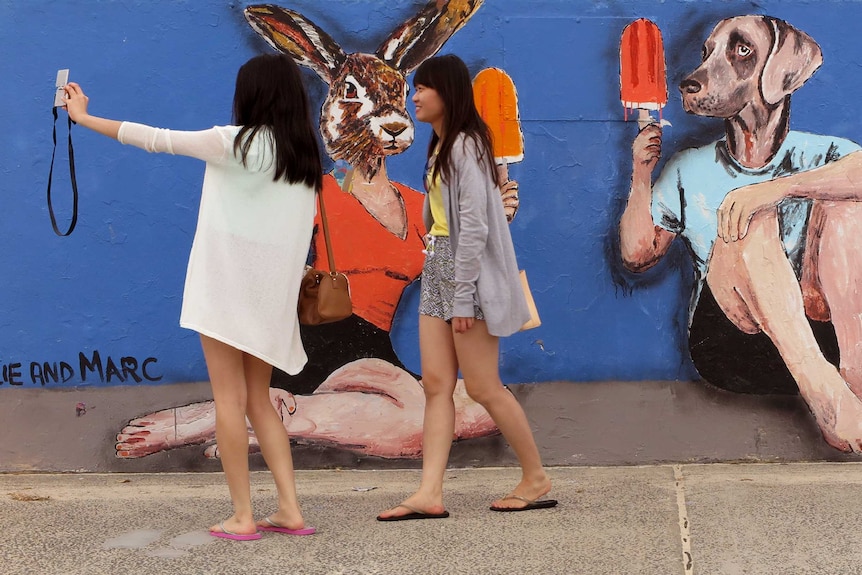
692	185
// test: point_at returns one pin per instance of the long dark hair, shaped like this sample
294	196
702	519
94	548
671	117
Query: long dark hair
269	94
449	77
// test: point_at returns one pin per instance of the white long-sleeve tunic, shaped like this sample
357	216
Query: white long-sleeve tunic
250	246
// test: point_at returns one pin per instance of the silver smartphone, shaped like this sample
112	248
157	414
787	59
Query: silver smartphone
59	94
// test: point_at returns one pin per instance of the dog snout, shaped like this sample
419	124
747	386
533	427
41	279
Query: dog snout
690	86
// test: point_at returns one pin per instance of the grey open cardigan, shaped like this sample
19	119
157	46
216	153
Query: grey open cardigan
485	264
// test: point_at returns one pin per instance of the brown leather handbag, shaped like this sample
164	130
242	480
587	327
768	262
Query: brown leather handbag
324	297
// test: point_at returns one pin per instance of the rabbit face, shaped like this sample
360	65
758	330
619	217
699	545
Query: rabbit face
364	117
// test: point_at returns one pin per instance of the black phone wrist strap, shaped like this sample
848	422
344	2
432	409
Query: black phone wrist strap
74	181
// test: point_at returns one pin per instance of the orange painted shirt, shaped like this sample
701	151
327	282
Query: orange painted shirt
378	264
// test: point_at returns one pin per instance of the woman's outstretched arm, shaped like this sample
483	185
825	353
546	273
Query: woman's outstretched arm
76	106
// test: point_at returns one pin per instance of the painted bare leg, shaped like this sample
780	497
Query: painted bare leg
755	285
839	264
360	392
375	376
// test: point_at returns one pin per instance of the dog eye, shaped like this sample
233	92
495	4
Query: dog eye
743	51
350	90
703	54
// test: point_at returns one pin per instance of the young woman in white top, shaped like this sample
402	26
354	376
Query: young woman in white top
248	256
471	293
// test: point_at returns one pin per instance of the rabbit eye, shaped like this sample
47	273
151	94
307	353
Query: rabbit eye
350	90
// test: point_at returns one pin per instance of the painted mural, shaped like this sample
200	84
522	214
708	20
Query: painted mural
683	222
354	391
766	213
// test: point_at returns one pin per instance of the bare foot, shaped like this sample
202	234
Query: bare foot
418	502
287	518
529	490
234	525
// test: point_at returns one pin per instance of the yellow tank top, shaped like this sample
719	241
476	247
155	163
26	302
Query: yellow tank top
435	198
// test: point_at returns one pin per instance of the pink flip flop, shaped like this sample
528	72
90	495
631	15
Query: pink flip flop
276	528
225	534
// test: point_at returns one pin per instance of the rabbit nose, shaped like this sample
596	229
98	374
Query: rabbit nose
394	128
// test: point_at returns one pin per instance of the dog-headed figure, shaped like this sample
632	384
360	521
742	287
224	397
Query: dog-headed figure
787	219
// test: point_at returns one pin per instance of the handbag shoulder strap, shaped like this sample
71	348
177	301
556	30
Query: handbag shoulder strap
326	238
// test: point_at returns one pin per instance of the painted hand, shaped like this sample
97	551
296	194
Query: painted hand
511	201
740	205
646	148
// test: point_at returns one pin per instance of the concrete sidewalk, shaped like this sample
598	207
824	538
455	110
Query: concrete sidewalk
663	520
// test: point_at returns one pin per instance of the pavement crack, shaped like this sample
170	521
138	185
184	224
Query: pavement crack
684	531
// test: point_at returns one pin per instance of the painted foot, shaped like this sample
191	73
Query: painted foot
166	429
839	416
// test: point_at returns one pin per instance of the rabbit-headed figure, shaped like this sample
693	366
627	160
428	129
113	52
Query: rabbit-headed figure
376	225
376	229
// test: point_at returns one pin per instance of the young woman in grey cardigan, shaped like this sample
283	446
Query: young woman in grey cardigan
471	292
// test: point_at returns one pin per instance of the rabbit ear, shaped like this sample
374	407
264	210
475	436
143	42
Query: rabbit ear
291	33
794	58
420	37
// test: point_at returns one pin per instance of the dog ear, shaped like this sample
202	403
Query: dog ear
420	37
291	33
795	57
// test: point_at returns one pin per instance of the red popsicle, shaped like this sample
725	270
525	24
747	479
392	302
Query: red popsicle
643	83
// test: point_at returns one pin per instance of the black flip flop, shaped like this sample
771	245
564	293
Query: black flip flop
414	514
530	504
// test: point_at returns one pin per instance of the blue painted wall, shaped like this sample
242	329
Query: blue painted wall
114	287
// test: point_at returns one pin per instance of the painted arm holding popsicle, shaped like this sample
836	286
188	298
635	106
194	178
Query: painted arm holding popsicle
643	87
497	104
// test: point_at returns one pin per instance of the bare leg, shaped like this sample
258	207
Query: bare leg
478	357
839	271
755	285
227	378
274	441
439	374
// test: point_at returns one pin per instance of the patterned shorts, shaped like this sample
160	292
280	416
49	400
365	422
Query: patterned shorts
438	281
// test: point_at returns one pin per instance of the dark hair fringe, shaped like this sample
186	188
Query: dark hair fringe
449	77
270	95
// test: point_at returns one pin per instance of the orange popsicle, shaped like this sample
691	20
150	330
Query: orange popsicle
497	103
643	85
